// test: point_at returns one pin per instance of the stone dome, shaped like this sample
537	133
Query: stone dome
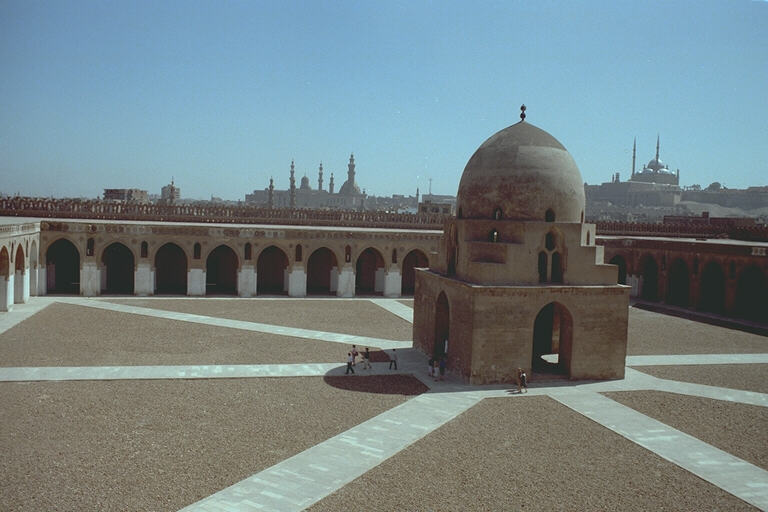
655	164
525	172
305	183
349	189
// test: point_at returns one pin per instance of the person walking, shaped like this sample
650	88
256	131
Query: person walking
349	364
431	364
393	359
354	354
443	365
366	359
522	381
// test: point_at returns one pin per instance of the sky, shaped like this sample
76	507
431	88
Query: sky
222	95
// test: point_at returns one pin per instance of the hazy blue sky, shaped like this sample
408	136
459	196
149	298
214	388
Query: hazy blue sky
222	95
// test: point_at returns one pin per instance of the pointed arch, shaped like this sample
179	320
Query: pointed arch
620	262
119	265
650	276
552	335
170	270
221	271
321	266
678	289
271	267
413	260
369	271
712	288
752	295
62	264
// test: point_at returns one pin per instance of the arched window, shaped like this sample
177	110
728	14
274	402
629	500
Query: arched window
549	216
298	252
247	251
542	267
89	247
493	236
394	255
582	216
144	249
549	241
587	237
347	254
497	214
196	251
557	268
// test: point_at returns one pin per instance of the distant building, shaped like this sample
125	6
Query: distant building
433	203
654	185
349	196
132	195
170	194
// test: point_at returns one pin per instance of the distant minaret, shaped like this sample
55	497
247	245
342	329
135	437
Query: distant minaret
634	155
417	196
320	177
271	196
293	186
351	171
657	149
330	185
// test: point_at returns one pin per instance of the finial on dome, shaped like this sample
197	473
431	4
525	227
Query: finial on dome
522	112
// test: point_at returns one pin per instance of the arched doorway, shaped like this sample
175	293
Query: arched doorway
5	272
270	271
320	267
442	326
19	297
679	284
62	267
170	270
221	272
712	289
620	262
118	264
650	290
414	259
552	340
752	295
33	259
370	264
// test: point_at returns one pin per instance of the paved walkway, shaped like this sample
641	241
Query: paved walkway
308	477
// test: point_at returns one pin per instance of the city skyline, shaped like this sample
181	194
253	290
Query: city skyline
221	98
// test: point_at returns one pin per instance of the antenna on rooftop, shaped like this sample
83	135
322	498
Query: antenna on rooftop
430	186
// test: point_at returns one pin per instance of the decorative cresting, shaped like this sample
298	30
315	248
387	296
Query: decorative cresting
524	171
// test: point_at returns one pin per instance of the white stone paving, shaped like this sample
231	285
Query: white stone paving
346	339
308	477
396	308
736	476
694	359
298	482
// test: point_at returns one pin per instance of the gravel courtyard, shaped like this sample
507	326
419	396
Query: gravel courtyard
167	443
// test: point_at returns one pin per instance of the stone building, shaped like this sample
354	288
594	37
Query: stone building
519	281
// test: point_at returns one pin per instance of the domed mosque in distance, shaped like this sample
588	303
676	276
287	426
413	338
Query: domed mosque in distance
519	282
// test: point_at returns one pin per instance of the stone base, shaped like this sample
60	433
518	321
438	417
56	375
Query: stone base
490	328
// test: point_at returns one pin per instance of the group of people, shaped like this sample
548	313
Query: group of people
353	356
437	367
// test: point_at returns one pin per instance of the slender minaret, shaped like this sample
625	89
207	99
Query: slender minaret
351	171
330	185
634	155
271	195
293	186
657	149
417	196
320	177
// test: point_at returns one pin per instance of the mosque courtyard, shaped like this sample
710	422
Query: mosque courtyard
120	403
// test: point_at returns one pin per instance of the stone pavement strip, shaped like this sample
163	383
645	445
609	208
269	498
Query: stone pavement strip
298	482
691	359
740	478
21	312
347	339
396	308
